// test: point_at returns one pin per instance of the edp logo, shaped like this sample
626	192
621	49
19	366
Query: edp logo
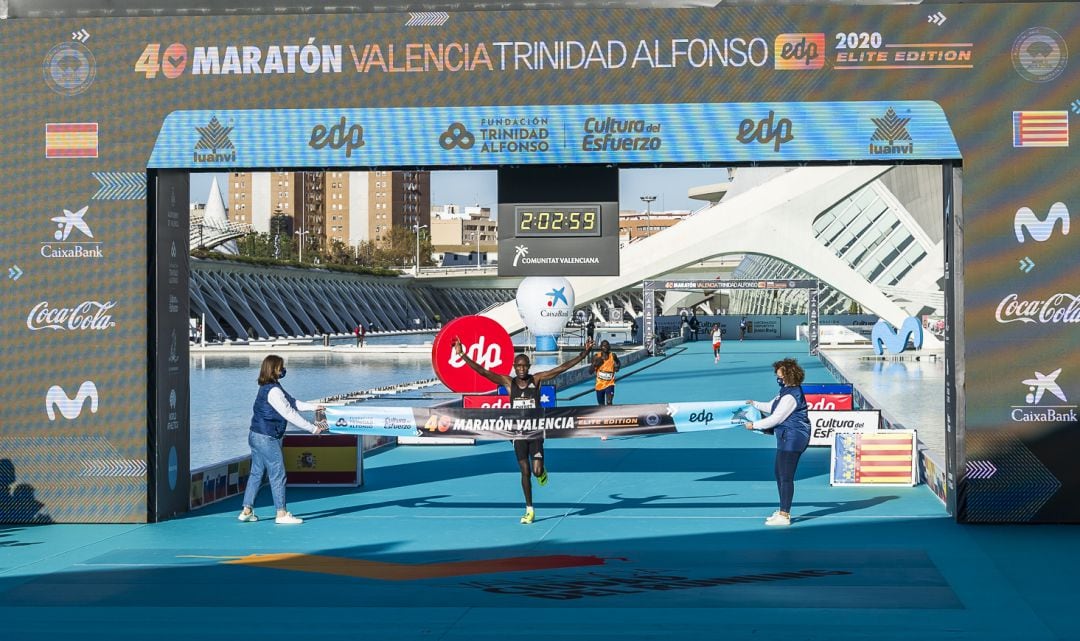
489	356
704	416
337	136
799	51
765	131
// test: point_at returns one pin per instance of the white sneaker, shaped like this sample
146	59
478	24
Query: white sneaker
288	519
778	519
247	518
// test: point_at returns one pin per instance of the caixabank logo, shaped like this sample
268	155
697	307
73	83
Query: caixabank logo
1045	401
72	237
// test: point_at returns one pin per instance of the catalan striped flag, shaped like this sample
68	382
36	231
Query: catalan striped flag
885	457
71	140
1040	129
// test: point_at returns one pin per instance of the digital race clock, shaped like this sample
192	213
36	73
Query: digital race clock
559	220
559	239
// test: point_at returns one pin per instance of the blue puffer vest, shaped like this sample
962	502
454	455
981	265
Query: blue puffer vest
264	418
798	420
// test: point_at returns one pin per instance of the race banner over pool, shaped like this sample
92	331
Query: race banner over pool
564	422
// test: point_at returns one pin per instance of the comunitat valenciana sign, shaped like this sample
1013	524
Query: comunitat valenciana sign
484	340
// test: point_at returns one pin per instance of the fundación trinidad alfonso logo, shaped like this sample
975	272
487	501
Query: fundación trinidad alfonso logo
214	144
890	130
1039	54
456	135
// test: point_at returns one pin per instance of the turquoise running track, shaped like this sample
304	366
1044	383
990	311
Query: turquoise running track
658	537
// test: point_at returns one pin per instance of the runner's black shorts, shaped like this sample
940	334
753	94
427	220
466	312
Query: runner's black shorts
525	449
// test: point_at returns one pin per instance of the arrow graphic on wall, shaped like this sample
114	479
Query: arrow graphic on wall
120	185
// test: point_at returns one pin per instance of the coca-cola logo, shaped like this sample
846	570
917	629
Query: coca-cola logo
87	315
485	342
1059	308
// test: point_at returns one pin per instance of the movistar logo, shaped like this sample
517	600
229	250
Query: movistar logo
896	341
1040	230
70	408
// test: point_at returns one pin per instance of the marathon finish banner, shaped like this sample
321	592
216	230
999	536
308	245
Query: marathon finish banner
564	422
780	85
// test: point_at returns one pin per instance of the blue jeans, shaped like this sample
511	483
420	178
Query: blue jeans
266	456
790	444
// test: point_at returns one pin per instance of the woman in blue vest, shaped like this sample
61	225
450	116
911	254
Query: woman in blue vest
274	409
788	419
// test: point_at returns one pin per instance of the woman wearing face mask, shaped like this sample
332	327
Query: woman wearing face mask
274	409
787	417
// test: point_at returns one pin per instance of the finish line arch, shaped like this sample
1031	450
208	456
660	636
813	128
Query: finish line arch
650	287
96	136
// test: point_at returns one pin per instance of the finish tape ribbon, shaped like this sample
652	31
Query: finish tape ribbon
562	422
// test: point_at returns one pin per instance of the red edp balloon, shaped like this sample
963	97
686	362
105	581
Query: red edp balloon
485	341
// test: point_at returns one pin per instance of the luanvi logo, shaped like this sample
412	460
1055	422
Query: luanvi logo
1040	230
890	129
212	138
66	225
766	130
456	135
70	408
337	136
1050	412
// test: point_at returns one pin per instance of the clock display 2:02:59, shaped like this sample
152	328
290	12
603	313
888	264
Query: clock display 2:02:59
558	221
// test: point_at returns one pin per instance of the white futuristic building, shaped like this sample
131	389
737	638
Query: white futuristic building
843	225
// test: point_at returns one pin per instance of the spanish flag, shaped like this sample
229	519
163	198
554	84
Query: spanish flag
71	140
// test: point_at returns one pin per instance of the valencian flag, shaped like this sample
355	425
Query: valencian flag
881	458
71	140
1040	129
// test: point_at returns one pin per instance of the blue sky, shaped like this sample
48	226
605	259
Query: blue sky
479	187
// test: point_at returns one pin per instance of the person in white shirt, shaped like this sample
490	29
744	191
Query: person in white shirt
273	410
789	420
717	339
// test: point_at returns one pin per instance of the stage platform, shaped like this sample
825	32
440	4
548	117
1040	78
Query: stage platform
658	537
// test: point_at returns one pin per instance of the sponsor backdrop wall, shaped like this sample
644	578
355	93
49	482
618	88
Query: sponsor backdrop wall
84	426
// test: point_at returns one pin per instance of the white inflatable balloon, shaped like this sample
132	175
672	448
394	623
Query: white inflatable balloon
545	303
